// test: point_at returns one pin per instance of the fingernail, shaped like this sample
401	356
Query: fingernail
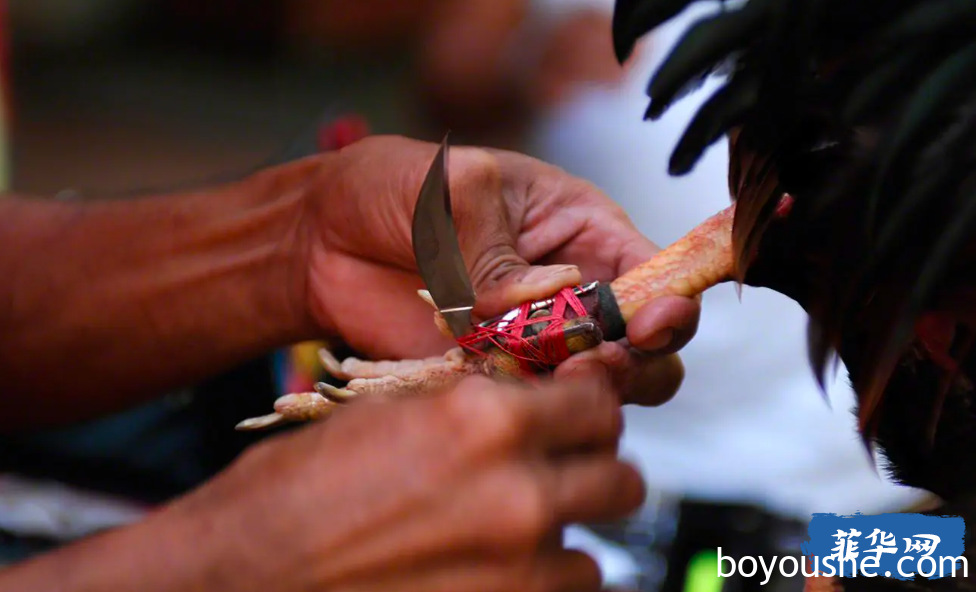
547	273
660	340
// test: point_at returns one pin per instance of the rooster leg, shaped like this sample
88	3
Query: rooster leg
694	263
428	379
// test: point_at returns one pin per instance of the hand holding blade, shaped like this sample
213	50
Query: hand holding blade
437	251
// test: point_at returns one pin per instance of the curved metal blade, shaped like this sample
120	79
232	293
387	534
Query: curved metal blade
436	249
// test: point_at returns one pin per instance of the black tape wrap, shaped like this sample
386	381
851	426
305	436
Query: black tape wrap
608	314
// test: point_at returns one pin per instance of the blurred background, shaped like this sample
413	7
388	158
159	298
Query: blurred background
112	98
179	88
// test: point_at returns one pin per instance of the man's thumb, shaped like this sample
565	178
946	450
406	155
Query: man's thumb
503	280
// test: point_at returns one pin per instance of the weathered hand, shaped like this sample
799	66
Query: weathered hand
453	492
459	491
510	211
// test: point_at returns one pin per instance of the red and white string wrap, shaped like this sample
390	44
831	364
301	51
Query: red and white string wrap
545	349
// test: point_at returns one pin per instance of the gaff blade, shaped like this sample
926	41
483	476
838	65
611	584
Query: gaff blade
436	248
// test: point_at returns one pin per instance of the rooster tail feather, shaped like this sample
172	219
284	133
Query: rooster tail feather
632	19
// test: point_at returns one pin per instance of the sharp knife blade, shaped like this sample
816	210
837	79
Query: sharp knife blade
436	249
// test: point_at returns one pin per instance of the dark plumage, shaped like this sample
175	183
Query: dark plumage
865	112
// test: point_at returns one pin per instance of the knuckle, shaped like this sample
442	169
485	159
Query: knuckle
484	413
603	395
495	262
530	511
601	402
615	419
477	167
457	402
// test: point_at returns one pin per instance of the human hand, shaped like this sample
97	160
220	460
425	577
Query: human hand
453	492
526	229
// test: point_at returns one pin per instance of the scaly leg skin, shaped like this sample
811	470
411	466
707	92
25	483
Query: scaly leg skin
380	378
352	368
293	407
699	260
385	377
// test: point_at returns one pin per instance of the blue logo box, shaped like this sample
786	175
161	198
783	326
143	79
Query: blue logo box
899	546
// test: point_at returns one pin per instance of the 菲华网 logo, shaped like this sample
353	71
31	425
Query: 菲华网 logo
899	546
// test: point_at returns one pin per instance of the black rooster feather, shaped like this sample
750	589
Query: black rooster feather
864	111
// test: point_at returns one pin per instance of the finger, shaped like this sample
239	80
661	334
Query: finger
502	419
665	324
557	570
654	381
489	223
511	285
515	507
567	570
640	378
581	412
639	249
595	488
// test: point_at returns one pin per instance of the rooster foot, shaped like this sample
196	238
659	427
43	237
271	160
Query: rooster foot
701	259
379	378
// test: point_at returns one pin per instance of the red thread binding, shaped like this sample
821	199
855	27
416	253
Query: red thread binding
550	347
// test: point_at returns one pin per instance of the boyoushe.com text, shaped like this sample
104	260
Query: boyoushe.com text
790	566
